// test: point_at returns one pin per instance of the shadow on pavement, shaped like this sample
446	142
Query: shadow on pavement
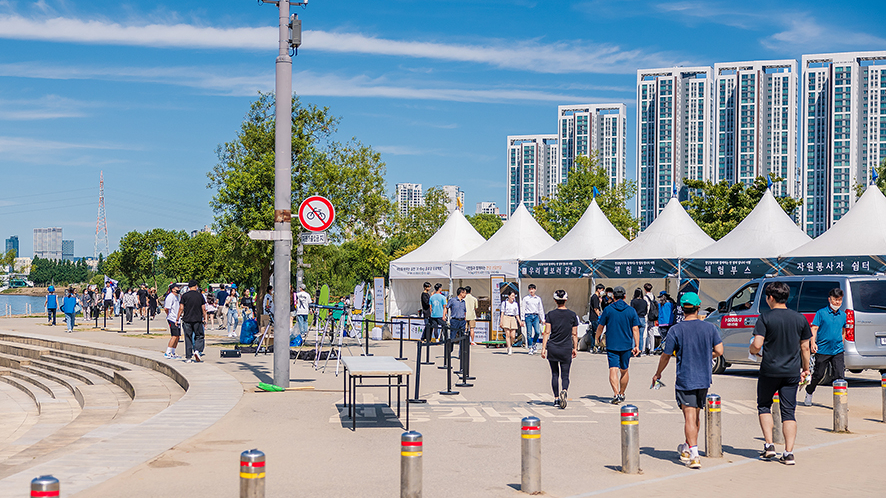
261	373
665	455
601	399
380	415
515	486
742	452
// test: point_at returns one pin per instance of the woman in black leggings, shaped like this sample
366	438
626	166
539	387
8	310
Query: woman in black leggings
560	345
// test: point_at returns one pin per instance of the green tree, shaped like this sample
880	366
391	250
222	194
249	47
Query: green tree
880	182
8	259
486	224
422	222
558	214
350	175
720	207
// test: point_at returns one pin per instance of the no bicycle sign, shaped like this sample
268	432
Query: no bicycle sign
316	213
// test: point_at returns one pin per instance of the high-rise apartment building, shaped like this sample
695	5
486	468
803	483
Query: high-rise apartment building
674	134
486	207
533	169
755	123
67	250
12	245
582	129
843	131
455	198
409	195
48	243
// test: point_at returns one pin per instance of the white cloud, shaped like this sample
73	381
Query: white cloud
225	81
528	55
55	152
804	32
47	107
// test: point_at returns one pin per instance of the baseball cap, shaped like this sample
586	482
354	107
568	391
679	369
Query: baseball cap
192	283
690	299
662	293
174	285
619	291
561	295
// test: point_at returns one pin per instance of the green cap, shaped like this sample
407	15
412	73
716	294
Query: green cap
690	299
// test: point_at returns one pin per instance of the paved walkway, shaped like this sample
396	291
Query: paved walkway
472	440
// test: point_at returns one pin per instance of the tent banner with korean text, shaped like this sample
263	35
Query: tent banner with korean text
419	270
575	268
833	265
728	268
635	268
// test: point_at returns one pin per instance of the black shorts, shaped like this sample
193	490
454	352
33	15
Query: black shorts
109	303
174	330
694	398
786	387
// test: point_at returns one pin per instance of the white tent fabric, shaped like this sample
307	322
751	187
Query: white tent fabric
456	237
672	235
591	237
767	232
860	232
519	238
430	262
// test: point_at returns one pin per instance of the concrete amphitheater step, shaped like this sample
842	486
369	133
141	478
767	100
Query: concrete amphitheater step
18	413
53	415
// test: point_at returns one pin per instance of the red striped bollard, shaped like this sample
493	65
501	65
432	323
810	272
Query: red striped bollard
777	432
883	389
44	486
630	439
252	474
410	465
841	406
530	481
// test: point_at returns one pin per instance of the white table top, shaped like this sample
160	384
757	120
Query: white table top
375	365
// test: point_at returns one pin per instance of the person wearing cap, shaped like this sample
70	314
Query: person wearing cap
171	306
51	304
622	339
192	313
694	343
302	309
595	305
559	345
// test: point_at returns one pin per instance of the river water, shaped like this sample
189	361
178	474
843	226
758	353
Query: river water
18	304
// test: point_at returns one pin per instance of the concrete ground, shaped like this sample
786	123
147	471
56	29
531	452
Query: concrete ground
472	440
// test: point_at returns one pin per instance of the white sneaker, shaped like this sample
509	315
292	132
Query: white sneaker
808	400
685	455
509	351
531	351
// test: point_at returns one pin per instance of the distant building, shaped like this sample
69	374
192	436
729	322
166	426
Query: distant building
48	243
533	169
68	250
455	198
409	195
583	129
22	265
486	208
12	245
205	229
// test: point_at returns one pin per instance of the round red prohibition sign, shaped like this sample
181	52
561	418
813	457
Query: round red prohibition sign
316	213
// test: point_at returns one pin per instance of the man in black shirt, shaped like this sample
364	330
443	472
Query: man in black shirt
192	313
426	308
142	301
596	309
781	338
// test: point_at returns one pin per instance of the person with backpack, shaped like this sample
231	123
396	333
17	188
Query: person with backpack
622	340
69	308
666	316
51	304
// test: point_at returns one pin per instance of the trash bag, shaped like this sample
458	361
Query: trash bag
248	331
296	341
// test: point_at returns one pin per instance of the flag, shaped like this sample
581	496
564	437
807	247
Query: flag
109	279
874	177
768	182
596	192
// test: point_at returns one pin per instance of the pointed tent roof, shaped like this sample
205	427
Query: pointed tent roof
860	232
519	238
767	232
591	237
672	235
456	237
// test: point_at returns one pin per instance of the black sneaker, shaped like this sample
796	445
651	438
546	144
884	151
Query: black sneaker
616	399
562	399
621	398
787	458
768	452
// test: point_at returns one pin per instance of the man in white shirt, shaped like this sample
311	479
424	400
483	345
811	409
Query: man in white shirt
302	308
471	304
534	317
108	296
170	305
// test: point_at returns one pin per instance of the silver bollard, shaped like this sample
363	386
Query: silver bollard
252	474
530	481
777	432
630	440
713	439
883	388
410	465
46	486
841	406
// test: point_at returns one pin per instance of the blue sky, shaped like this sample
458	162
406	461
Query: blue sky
146	91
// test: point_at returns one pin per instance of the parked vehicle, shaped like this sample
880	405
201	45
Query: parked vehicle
864	301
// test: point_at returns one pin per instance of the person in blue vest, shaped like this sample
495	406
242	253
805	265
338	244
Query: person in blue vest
51	304
69	307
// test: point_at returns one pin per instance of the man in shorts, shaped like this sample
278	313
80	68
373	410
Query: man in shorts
781	337
828	333
471	305
108	297
170	305
695	343
622	327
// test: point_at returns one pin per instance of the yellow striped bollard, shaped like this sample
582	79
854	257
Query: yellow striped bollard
630	439
252	474
777	432
44	487
410	464
713	438
530	480
841	406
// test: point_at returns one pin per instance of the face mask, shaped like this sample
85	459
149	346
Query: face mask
831	306
609	294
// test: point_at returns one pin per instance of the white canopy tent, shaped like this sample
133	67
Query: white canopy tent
752	248
519	238
854	244
430	262
656	251
592	237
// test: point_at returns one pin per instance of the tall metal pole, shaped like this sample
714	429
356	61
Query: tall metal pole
282	200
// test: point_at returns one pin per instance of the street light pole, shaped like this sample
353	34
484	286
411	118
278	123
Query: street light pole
283	192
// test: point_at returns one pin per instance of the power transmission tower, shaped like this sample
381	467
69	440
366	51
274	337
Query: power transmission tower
101	223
